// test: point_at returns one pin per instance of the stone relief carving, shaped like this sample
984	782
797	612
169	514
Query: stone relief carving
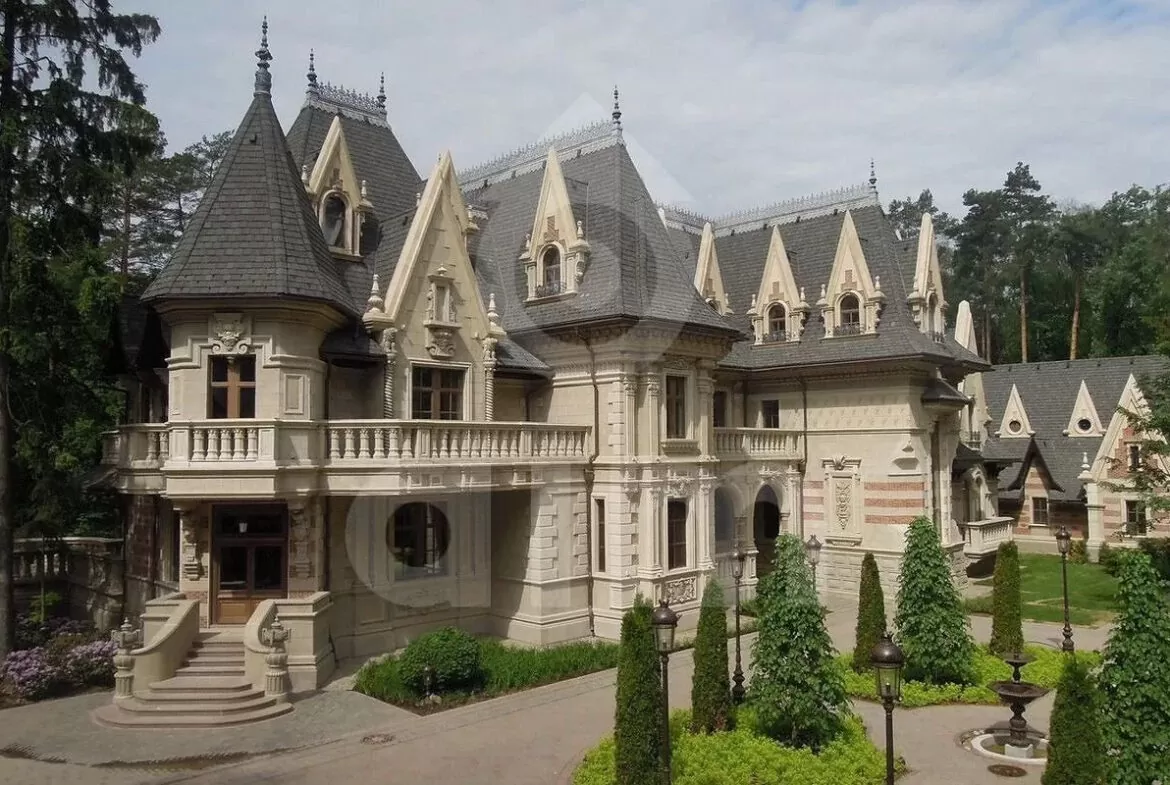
680	486
843	498
681	590
843	495
301	536
229	334
192	525
442	342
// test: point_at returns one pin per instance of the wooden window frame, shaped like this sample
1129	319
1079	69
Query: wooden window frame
841	311
432	528
1136	522
766	419
1040	505
233	384
675	399
435	392
778	333
677	511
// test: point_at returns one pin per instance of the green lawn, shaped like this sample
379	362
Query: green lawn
1091	591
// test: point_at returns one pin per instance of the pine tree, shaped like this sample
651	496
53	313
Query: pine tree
1076	753
796	687
1007	630
871	613
638	721
711	708
1135	682
932	627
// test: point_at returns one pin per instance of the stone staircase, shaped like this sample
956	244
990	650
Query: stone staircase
209	690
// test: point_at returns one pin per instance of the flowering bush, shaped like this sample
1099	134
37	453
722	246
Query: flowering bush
32	631
66	657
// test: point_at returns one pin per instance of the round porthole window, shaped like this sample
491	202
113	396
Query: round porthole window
1015	426
418	536
1084	425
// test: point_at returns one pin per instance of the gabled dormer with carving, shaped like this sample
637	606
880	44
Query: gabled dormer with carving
1084	419
708	276
555	252
976	417
343	209
1015	424
778	310
927	305
851	301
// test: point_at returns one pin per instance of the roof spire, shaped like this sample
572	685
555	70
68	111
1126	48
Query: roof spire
263	56
382	92
617	114
872	177
312	75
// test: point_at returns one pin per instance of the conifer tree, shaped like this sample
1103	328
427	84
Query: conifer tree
711	708
1135	682
932	627
638	721
871	613
1007	630
1076	753
796	687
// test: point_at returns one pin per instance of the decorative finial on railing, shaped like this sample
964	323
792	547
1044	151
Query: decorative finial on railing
274	637
374	302
263	57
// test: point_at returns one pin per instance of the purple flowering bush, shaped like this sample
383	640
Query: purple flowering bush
67	656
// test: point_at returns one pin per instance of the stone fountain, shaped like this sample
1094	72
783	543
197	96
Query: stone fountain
1018	694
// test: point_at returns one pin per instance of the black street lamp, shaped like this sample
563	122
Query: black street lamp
887	660
1064	544
812	550
737	691
664	620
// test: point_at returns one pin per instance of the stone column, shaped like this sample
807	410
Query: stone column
704	512
1096	514
705	386
650	553
489	378
654	412
389	345
630	414
306	547
194	579
794	490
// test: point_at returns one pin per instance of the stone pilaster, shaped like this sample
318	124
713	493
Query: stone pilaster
389	345
654	412
704	523
306	569
489	378
630	414
650	554
194	572
706	387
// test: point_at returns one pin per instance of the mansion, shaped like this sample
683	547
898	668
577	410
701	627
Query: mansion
515	396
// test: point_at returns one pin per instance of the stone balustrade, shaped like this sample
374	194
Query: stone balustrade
983	537
773	443
455	441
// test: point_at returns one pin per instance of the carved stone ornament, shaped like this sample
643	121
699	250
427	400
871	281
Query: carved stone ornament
680	486
769	473
192	526
682	590
843	502
840	463
442	342
229	334
489	349
300	533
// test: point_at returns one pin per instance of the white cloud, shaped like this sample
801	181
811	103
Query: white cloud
732	105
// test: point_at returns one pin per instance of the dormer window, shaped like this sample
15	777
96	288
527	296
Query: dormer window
777	323
849	315
550	271
368	240
333	211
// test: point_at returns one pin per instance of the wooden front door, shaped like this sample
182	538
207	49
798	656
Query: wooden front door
251	560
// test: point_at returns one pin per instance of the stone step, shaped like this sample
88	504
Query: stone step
112	714
234	660
196	695
210	670
201	705
189	683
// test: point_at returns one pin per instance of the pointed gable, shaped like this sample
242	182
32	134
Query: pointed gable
972	385
926	295
850	300
708	276
254	234
778	301
1084	419
555	250
1014	424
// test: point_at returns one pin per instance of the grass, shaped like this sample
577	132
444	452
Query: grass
1092	592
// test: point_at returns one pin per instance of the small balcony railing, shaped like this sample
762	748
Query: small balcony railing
848	328
549	289
772	443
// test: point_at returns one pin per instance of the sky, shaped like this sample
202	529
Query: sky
725	105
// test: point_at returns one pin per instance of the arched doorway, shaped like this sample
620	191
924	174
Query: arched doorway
766	528
725	534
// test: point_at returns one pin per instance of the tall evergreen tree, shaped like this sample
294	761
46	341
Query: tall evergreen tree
871	613
1135	682
711	708
1076	753
59	138
638	722
1007	629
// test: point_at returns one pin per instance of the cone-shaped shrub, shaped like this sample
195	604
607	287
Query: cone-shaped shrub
797	689
1135	679
711	708
1007	631
638	722
932	627
1076	754
871	613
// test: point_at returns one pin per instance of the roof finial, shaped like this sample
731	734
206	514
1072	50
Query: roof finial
872	176
263	56
617	114
312	75
382	92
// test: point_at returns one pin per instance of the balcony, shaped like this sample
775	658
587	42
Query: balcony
758	443
981	538
256	457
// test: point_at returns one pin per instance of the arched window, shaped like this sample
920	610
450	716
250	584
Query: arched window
418	538
777	322
850	315
550	264
333	221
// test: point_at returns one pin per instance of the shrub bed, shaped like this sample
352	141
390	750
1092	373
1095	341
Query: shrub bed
1045	670
58	657
745	755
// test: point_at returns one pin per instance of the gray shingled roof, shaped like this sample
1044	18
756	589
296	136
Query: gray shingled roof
254	233
812	246
634	272
1048	391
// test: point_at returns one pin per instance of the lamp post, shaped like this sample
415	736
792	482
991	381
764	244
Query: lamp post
664	620
737	691
887	660
812	550
1063	544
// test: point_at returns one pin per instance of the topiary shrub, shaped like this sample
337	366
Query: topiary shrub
1007	631
797	689
1076	754
1078	552
1135	682
638	718
932	627
454	657
711	708
871	614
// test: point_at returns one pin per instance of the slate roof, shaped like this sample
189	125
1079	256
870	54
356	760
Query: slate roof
812	247
254	233
1049	391
635	272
